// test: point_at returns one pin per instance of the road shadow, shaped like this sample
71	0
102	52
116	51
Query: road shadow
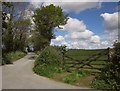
32	57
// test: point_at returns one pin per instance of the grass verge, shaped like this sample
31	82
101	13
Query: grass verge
12	56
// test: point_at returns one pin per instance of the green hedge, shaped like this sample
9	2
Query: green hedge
12	56
109	78
49	62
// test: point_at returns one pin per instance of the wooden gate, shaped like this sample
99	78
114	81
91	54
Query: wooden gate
92	63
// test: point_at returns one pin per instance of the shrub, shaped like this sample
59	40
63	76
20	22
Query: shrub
12	56
38	52
45	70
109	78
15	55
100	84
5	60
49	62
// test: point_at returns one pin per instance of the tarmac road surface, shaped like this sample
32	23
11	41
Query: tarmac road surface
19	75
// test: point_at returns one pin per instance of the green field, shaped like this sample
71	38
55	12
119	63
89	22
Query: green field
83	55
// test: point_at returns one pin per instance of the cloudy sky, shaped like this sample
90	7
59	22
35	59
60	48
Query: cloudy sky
91	25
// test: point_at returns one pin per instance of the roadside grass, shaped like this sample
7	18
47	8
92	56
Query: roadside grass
81	78
12	56
74	76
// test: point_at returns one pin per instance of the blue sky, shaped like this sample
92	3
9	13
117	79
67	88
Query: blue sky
101	21
92	18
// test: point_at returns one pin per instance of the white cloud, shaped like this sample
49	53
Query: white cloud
59	38
71	6
74	24
104	43
78	36
95	39
59	41
35	4
111	21
77	7
111	27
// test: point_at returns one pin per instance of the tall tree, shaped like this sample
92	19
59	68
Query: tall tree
20	34
15	27
7	25
46	18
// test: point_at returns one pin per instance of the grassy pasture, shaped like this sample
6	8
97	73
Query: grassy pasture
82	54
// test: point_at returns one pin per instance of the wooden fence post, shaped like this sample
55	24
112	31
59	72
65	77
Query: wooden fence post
108	53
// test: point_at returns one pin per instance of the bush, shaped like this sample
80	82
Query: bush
49	62
45	70
12	56
100	84
15	55
37	52
109	78
5	60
